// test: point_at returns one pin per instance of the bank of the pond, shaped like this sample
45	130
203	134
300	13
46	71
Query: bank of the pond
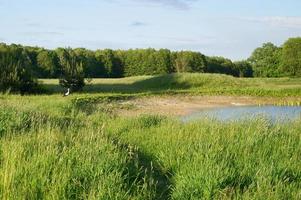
183	105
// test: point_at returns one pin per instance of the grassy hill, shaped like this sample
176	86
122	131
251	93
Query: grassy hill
193	83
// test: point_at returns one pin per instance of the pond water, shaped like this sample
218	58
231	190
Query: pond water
273	113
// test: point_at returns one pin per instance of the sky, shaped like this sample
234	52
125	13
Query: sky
228	28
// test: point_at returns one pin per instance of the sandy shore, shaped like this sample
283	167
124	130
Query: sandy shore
180	105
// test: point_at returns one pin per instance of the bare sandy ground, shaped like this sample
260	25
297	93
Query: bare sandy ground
180	105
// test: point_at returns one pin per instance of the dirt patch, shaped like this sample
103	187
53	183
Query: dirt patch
180	105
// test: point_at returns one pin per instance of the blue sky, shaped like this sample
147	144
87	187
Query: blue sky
230	28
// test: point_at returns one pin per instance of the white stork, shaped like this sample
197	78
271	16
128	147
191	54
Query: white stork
67	93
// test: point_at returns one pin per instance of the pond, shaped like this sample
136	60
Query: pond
273	113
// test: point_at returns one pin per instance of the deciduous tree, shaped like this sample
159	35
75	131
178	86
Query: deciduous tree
291	57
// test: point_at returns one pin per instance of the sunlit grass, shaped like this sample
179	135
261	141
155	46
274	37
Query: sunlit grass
189	83
81	150
76	147
212	160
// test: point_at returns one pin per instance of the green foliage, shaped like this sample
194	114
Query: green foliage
187	61
15	70
291	57
111	63
265	61
220	65
243	69
147	62
119	63
48	64
272	61
72	75
93	67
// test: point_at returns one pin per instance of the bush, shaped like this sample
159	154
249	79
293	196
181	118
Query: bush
15	72
72	73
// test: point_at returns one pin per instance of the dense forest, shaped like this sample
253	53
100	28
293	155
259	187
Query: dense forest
21	65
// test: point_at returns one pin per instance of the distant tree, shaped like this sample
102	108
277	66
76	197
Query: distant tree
93	68
133	61
243	69
265	60
291	57
220	65
72	73
48	64
111	62
148	62
163	61
15	71
188	61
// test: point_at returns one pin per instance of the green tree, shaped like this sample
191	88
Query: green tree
93	68
188	61
220	65
265	60
291	57
15	71
163	61
243	69
48	64
111	63
72	73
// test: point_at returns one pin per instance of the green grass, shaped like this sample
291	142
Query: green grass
64	157
187	83
210	160
77	148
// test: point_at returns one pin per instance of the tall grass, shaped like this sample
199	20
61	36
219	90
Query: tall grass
210	160
75	148
65	158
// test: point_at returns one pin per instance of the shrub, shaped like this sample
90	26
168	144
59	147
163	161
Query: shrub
15	72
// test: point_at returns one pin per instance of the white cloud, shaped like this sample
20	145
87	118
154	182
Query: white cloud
290	22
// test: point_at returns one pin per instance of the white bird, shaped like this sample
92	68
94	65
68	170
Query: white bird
67	93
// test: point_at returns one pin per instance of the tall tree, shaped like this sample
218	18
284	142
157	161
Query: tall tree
93	68
15	71
72	73
110	62
291	57
48	64
243	69
265	60
188	61
220	65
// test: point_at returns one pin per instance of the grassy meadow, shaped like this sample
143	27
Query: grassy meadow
78	147
189	83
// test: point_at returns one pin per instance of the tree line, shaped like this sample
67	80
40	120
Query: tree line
21	65
270	60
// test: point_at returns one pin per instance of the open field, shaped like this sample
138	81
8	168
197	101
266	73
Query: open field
187	83
113	143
